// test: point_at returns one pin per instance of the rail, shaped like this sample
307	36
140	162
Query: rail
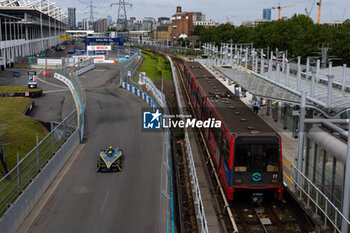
194	180
199	202
318	202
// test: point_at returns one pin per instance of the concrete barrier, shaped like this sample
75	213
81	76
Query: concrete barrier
21	208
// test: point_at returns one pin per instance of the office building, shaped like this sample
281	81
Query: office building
71	18
267	14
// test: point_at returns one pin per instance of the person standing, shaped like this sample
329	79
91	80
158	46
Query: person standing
256	105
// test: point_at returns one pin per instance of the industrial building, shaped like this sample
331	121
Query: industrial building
28	29
162	33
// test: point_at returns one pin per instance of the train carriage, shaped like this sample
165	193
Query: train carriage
246	151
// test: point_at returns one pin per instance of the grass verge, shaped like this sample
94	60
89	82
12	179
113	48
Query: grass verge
156	66
8	89
20	131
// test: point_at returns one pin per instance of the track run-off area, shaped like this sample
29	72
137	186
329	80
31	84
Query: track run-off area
87	201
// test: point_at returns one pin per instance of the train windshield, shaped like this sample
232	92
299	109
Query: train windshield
257	157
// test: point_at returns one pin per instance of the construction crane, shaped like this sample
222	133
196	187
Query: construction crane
342	18
279	9
308	13
319	12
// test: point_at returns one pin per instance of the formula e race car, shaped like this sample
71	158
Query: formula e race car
110	160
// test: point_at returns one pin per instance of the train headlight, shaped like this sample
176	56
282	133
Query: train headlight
274	181
238	181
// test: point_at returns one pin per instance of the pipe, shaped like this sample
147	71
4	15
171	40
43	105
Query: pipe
301	136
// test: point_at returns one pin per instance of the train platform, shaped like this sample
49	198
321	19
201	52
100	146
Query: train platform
289	142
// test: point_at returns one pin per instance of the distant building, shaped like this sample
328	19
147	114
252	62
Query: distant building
86	24
101	25
162	33
253	23
164	20
109	20
181	24
198	16
160	19
267	14
71	18
210	23
334	23
80	25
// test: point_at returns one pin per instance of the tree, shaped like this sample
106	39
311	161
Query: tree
197	30
299	35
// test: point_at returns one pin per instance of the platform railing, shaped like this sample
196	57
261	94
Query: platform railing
317	202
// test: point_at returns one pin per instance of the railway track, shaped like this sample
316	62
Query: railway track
264	217
244	215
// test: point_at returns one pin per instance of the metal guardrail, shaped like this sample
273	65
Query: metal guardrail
193	173
16	181
166	216
318	202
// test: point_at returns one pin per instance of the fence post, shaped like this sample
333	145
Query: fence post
343	85
346	194
19	175
301	137
52	141
299	75
37	154
329	90
278	68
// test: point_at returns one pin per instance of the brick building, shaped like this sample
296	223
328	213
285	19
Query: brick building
181	23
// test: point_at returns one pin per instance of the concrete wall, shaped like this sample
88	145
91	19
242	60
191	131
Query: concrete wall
21	208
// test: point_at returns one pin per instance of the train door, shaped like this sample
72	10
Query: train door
218	149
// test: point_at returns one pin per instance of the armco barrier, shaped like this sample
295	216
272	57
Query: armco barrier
84	69
20	209
139	93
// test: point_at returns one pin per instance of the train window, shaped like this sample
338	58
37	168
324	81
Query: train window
257	158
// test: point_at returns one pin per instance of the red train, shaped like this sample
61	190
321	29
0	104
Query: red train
246	151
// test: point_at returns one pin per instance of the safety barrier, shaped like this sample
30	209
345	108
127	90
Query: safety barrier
84	69
139	93
166	214
23	186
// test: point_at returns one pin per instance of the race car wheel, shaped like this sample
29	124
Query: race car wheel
98	165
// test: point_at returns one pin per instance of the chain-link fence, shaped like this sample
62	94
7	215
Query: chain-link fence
16	181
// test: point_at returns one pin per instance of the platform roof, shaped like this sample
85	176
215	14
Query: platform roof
279	90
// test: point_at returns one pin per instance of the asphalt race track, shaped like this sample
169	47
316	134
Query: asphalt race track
86	201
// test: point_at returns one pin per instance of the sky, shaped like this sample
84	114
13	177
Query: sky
238	10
